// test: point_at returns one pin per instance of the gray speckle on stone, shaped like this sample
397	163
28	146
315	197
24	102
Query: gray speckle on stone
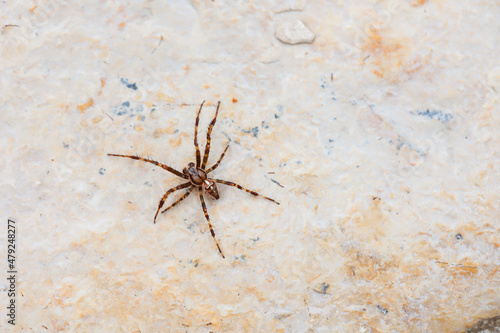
490	325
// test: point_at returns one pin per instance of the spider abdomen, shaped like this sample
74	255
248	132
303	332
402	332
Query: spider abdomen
211	189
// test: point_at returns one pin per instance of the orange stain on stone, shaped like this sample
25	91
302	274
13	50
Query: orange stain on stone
419	3
368	266
465	269
85	106
175	142
160	131
385	53
393	56
163	97
103	83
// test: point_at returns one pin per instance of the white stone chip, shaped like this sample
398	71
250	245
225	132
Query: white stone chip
294	33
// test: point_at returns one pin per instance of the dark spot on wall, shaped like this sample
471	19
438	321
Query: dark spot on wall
253	130
383	310
128	85
435	114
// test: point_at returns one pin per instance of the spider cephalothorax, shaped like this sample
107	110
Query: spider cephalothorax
197	176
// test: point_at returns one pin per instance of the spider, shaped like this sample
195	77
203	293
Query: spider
197	174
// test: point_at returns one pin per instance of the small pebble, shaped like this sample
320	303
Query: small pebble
294	33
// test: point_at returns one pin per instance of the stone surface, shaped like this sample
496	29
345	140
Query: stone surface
380	139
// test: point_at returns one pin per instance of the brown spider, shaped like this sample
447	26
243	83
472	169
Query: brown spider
197	176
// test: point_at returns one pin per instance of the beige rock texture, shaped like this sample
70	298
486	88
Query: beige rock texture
380	139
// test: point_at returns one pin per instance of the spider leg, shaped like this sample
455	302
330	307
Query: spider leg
162	201
188	192
198	156
218	162
225	182
166	167
208	220
209	132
